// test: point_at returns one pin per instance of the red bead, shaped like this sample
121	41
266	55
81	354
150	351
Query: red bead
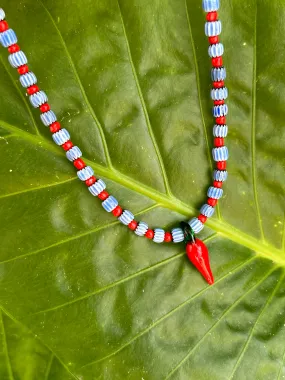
14	48
222	165
90	181
79	164
133	225
213	40
167	237
103	195
218	184
32	89
202	218
221	120
55	127
23	69
197	253
212	202
212	16
217	61
149	234
219	84
219	102
117	211
68	145
219	141
3	26
45	107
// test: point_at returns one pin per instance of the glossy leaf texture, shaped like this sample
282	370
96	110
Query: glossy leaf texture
81	296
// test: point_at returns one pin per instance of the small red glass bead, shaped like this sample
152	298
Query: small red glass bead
218	184
217	61
212	16
90	181
167	237
103	195
79	164
221	120
219	102
219	141
32	89
212	202
117	211
3	26
13	48
213	40
68	145
55	127
202	218
45	107
219	84
149	234
23	69
222	165
133	225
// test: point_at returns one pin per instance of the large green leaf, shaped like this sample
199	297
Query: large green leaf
82	297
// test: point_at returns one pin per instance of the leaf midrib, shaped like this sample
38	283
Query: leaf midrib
263	249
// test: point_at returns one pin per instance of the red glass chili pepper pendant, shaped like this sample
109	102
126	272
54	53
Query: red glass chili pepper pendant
197	253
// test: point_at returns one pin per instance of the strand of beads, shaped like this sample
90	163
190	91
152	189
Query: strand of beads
219	93
85	173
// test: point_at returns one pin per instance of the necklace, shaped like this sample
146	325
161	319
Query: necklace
196	250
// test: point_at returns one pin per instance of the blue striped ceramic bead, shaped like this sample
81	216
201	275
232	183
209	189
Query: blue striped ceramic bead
61	136
48	118
215	192
38	99
218	74
177	235
216	50
220	175
207	210
141	229
85	173
158	235
73	153
110	203
220	130
219	93
28	79
196	225
8	38
221	110
213	28
126	218
220	154
2	14
17	59
97	187
211	5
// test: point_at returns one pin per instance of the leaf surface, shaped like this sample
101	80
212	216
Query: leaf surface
82	297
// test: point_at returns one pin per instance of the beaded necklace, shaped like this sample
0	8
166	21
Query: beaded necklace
195	248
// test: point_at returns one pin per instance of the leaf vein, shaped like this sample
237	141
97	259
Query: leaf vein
75	237
264	250
8	362
275	289
146	115
253	129
171	312
37	188
3	310
226	312
85	97
22	97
